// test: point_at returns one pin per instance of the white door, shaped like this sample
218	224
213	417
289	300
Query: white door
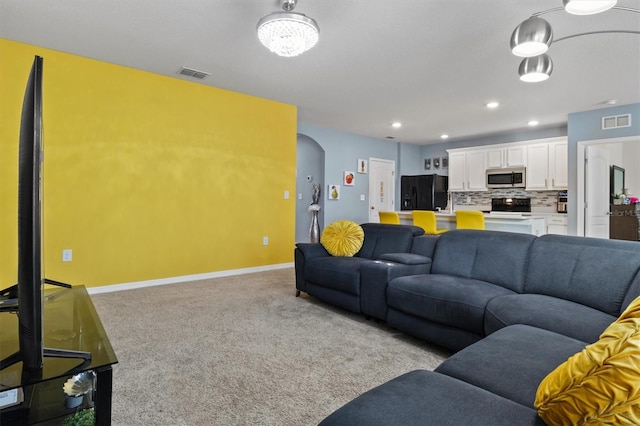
382	186
596	173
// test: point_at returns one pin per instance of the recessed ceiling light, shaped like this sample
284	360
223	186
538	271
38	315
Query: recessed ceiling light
444	136
396	124
492	104
533	123
611	102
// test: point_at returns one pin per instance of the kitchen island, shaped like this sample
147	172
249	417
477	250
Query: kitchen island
524	223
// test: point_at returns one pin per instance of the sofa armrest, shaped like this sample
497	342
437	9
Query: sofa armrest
311	250
374	278
302	253
406	258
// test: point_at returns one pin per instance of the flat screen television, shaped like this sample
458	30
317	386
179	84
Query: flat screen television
26	297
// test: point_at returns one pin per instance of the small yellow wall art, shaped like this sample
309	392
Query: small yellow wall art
362	166
333	192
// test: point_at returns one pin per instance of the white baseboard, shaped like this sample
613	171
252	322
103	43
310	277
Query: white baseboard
185	278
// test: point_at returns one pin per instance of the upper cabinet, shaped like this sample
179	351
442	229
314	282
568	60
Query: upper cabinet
559	165
467	170
545	161
511	156
547	165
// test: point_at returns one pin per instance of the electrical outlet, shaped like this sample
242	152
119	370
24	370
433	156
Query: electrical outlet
67	255
265	241
286	195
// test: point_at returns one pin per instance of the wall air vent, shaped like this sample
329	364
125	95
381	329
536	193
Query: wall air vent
616	121
190	72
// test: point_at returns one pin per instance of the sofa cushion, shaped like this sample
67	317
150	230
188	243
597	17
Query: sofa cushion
336	272
600	384
562	316
423	397
492	256
583	270
511	362
342	238
380	238
445	299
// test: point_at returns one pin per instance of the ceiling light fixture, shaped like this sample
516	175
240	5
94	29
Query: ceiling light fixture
288	33
588	7
533	123
444	136
492	105
536	69
396	124
533	37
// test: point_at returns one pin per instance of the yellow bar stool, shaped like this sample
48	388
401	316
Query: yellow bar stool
469	219
426	220
389	217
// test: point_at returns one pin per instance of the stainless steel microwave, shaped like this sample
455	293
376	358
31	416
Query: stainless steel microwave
506	178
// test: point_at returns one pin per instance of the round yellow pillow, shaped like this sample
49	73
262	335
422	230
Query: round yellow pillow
600	384
342	238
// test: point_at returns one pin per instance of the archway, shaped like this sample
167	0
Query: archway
309	170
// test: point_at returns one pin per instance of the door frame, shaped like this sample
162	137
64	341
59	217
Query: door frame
580	170
392	186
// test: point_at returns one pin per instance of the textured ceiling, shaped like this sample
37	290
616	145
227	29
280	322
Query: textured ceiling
431	64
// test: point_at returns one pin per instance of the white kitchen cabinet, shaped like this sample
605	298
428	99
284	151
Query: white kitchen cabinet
538	166
557	224
457	172
476	171
558	165
512	156
467	170
547	166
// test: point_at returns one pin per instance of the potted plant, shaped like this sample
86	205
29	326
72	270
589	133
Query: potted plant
81	418
616	199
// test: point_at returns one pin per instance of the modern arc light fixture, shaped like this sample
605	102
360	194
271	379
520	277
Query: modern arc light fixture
288	33
533	37
535	69
588	7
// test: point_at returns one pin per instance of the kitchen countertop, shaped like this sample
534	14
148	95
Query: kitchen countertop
488	216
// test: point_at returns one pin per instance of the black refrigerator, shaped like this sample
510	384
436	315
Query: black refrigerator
423	192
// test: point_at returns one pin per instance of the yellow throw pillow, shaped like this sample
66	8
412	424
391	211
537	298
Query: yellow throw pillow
600	384
342	238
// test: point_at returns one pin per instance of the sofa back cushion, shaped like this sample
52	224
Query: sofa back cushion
425	245
496	257
381	238
591	271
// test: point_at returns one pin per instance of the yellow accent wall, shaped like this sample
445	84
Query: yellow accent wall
146	176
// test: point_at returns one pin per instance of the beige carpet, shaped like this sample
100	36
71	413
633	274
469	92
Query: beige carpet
244	350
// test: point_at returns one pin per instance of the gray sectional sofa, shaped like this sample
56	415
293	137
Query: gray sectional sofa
511	306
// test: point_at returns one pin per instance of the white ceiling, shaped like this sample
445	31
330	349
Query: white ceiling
431	64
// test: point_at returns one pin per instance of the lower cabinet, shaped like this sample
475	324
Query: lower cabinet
624	222
557	225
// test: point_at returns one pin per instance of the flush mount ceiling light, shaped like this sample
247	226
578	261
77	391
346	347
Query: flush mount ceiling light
533	37
287	33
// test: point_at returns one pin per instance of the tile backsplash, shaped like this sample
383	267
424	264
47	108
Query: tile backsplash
539	199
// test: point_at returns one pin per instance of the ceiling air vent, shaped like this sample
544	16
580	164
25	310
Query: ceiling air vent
616	121
189	72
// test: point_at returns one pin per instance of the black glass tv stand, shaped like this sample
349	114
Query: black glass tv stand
71	324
